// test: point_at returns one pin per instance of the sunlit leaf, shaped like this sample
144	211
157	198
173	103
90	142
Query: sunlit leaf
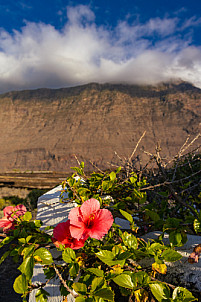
126	215
44	255
20	284
160	268
124	281
160	291
183	295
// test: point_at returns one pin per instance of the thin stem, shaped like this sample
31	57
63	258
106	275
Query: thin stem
63	282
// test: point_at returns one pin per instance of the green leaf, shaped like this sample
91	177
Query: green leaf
20	284
118	170
29	238
22	240
77	169
154	247
127	215
44	255
112	176
197	225
175	238
27	251
133	179
38	223
108	258
74	269
27	267
183	295
41	295
27	216
80	288
68	255
106	185
153	215
49	272
97	283
116	250
171	255
160	290
130	240
14	252
96	271
105	293
83	191
5	255
6	241
124	280
82	165
140	278
124	255
172	223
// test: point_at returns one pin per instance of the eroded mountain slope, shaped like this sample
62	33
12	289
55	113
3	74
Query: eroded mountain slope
43	129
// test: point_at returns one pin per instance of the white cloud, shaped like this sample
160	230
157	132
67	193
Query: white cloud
41	56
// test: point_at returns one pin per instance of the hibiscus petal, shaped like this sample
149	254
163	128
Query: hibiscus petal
90	206
61	235
102	223
61	231
4	222
77	244
7	211
75	216
21	209
77	232
77	225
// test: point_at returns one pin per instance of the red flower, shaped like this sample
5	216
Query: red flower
61	235
11	213
89	220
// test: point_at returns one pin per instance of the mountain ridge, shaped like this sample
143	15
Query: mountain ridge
162	88
42	129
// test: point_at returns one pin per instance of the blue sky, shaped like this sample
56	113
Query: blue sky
60	43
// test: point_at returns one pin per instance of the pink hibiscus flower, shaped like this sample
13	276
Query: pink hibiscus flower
11	213
89	220
62	235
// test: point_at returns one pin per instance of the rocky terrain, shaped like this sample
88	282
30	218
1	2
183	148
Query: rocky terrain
42	130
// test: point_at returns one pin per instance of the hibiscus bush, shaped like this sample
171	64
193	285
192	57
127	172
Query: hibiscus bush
97	259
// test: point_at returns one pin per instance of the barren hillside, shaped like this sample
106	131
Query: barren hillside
43	129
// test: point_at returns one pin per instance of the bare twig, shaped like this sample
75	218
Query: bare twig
74	192
96	167
191	143
39	285
77	159
184	148
166	183
64	283
129	160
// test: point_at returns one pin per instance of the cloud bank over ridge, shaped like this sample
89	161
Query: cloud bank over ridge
139	53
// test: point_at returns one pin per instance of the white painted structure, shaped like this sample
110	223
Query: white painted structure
50	211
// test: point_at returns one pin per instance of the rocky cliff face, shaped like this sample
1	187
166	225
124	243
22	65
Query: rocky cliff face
43	129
